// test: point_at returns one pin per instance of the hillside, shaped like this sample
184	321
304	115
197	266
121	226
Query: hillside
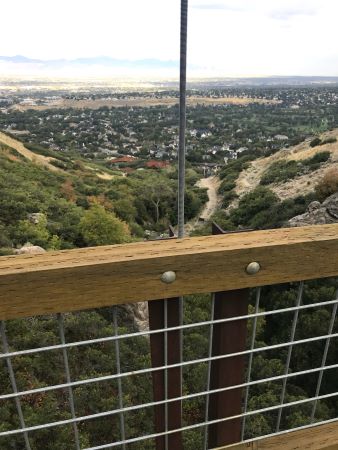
44	161
47	161
77	204
302	184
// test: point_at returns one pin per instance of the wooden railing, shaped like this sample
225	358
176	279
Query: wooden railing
324	437
73	280
227	265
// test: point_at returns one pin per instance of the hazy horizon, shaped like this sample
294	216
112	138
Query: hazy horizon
227	38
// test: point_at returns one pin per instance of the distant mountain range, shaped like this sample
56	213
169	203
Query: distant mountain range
224	82
155	69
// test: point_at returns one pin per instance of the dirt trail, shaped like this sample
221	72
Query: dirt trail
212	184
34	157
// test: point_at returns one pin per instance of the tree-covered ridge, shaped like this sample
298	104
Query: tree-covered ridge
78	209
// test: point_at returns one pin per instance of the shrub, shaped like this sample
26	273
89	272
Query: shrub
316	141
60	164
328	185
318	158
99	227
37	234
4	238
280	171
256	203
6	251
227	185
222	219
228	197
329	140
36	148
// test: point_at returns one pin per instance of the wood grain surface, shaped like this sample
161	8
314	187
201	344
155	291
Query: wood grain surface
320	437
93	277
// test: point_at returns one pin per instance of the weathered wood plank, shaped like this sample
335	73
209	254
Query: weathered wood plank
87	278
228	338
157	346
323	437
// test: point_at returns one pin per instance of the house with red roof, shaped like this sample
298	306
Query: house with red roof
152	164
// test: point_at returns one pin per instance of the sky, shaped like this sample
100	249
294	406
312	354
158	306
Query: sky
226	37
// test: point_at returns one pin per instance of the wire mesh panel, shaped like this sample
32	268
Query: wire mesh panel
85	380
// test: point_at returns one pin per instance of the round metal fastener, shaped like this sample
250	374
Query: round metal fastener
253	268
168	277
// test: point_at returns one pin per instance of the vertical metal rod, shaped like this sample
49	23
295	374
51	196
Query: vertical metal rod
182	126
68	378
180	322
207	400
166	372
288	359
14	385
180	319
252	346
326	349
119	380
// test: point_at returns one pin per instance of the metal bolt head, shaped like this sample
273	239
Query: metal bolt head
253	268
168	277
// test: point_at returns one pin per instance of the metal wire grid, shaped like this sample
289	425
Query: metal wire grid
252	346
119	376
290	348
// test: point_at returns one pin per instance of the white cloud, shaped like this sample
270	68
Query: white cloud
226	37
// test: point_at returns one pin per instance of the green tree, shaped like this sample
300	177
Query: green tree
99	227
37	234
156	189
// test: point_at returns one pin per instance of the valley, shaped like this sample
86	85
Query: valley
99	164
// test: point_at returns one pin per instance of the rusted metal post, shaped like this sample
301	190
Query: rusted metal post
157	346
229	337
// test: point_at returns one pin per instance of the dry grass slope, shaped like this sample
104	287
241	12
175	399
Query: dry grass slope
144	102
28	154
249	179
44	161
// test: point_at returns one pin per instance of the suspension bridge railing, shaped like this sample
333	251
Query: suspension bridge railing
207	370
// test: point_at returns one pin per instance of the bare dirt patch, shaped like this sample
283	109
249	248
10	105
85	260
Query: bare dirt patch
105	176
144	102
102	175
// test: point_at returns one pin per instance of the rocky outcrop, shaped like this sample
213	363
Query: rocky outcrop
29	249
318	213
36	218
139	313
